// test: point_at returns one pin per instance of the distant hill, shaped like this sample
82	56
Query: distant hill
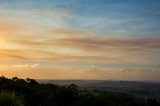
138	88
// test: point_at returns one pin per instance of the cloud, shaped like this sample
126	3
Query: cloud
91	43
104	43
120	50
73	32
24	54
33	65
137	70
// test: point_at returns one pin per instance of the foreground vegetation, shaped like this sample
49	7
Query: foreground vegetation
20	92
10	99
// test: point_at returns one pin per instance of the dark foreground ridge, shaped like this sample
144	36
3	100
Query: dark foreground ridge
28	92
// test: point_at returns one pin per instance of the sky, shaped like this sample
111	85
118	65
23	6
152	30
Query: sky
80	39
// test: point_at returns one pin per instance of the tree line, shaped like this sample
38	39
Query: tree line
28	92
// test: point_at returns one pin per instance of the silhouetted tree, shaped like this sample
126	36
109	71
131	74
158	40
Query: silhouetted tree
32	82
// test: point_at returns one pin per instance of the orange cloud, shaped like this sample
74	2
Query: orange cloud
34	65
98	43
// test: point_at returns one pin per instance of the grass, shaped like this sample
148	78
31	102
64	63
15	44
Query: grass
11	99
